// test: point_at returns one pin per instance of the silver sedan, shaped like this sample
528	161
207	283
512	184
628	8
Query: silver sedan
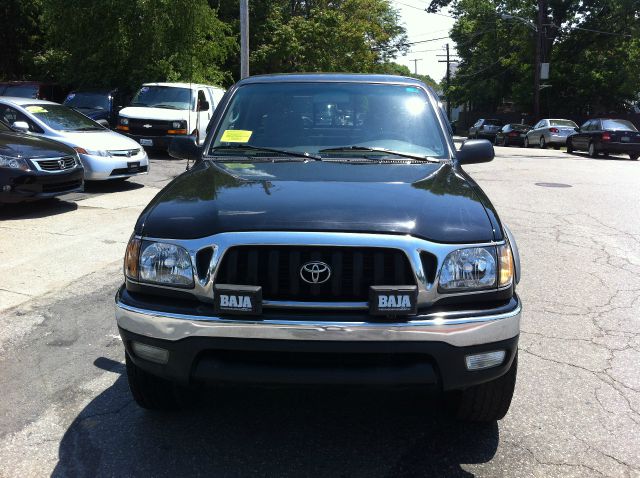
550	132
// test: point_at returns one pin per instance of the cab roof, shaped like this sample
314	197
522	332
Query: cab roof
181	85
331	77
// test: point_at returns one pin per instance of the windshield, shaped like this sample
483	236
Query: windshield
567	123
61	118
89	101
21	91
618	125
314	117
164	97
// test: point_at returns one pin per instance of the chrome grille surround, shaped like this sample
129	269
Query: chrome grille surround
124	153
411	246
55	165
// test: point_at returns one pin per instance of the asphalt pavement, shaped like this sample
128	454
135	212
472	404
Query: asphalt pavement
65	408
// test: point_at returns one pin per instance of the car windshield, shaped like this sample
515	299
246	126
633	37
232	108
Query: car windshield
168	97
62	118
567	123
88	101
21	91
618	125
331	119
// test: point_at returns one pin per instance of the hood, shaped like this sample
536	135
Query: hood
28	146
432	201
97	140
162	114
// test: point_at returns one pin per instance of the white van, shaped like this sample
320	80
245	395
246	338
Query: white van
162	111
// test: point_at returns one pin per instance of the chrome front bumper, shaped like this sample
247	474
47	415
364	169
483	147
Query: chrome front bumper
99	168
453	328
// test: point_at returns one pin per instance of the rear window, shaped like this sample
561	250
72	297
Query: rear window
22	91
568	123
618	125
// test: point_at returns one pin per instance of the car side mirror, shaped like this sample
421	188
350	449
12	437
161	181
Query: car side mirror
475	151
184	148
21	126
203	106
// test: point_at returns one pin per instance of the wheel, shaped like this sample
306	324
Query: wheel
489	401
151	392
634	156
505	141
543	143
495	141
592	150
526	141
569	146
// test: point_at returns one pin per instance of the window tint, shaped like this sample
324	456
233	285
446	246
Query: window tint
164	97
201	98
88	101
618	125
313	116
586	126
569	123
9	115
22	91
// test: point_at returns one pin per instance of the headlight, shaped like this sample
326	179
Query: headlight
91	152
472	268
124	121
179	124
13	163
160	263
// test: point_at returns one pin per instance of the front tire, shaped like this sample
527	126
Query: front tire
489	401
543	143
569	146
151	392
592	150
634	156
526	141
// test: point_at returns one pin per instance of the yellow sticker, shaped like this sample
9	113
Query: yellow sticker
236	136
239	165
35	109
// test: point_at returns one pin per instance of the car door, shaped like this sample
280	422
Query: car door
579	140
595	133
474	129
531	134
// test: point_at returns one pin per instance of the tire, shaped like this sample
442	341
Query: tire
592	150
543	143
526	142
505	142
489	401
151	392
569	146
634	156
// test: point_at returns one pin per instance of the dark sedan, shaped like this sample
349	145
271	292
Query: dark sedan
32	167
512	133
485	129
604	136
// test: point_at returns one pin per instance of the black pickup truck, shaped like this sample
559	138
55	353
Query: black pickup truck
326	234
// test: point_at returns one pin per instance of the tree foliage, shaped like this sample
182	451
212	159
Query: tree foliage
590	71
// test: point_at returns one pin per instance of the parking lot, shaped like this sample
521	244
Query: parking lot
66	409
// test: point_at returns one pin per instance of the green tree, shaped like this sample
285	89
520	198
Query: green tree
20	37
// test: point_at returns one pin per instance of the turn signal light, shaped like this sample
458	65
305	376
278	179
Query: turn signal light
122	127
506	265
606	137
80	150
553	130
131	258
177	131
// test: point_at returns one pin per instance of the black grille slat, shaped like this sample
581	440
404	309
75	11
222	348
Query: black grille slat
277	270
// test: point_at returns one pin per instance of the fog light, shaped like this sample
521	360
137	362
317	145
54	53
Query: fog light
485	360
151	353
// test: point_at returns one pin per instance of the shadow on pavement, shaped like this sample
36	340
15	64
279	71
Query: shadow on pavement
112	186
581	155
36	209
243	431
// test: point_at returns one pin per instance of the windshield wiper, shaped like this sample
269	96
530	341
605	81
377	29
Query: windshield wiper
356	148
137	103
169	107
240	147
85	128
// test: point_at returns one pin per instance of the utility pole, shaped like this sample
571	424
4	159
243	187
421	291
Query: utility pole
415	65
542	13
448	61
244	38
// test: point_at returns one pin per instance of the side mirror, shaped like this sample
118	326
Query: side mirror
21	126
203	106
475	151
184	148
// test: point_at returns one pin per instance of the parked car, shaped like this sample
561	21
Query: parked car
604	136
485	128
550	132
36	90
298	250
512	133
101	105
160	112
33	167
105	154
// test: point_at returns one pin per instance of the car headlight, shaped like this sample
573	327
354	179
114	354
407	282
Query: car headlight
159	263
124	121
179	124
477	268
14	163
90	152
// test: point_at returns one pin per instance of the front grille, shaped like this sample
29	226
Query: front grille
124	153
149	127
58	164
277	270
61	187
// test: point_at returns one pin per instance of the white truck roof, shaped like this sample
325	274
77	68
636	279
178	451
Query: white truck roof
182	85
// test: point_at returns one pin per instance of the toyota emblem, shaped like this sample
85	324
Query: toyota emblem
315	272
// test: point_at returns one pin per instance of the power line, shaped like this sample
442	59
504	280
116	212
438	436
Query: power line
426	41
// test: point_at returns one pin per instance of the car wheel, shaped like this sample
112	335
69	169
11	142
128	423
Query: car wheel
505	141
543	143
489	401
151	392
526	141
592	150
569	146
634	156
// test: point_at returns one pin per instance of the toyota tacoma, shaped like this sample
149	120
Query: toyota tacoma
325	234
